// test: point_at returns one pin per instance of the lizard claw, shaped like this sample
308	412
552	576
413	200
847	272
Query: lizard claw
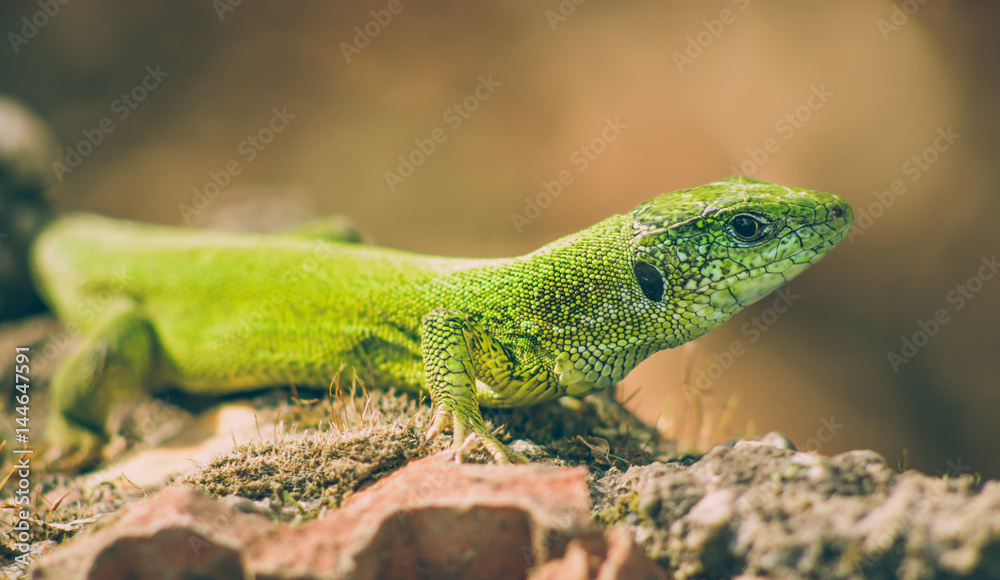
467	435
442	420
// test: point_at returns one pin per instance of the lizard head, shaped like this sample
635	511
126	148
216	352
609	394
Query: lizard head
701	255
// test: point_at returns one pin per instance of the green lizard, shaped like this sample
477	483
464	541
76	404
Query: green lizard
217	312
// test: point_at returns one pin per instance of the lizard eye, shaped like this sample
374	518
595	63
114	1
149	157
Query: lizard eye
747	227
650	280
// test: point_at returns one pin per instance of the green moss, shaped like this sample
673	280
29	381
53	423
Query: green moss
353	442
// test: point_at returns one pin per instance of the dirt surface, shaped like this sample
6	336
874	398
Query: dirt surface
765	511
747	508
750	509
432	518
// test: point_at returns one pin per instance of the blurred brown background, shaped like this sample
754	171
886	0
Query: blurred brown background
847	92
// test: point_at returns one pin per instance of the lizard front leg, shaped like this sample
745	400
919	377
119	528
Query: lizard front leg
449	372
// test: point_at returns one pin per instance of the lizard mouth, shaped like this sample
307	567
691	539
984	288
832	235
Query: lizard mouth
831	241
728	282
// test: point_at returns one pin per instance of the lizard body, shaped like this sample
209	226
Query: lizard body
217	312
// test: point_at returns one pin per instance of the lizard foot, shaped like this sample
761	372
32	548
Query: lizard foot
70	448
467	433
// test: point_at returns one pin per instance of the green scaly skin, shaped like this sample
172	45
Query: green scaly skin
217	312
